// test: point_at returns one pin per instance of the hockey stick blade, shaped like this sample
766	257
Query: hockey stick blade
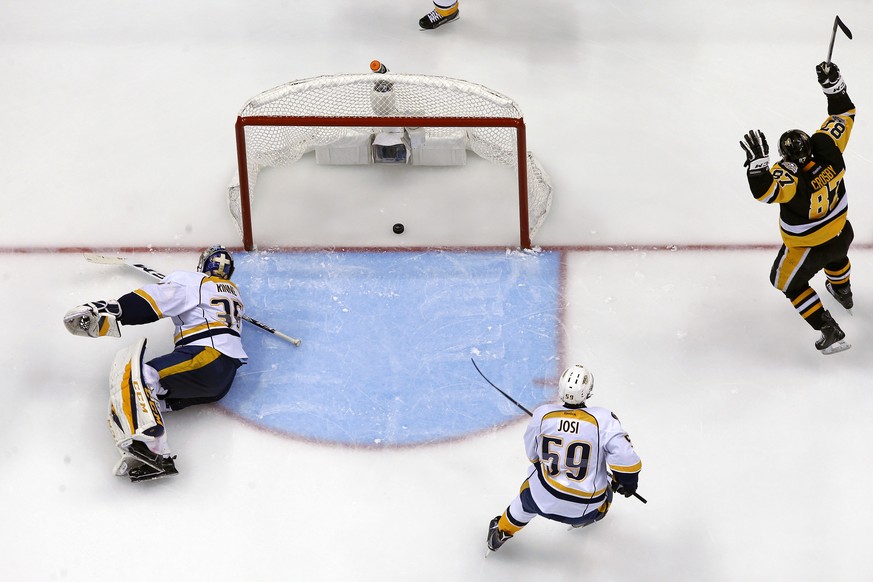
837	24
103	259
107	260
273	331
843	27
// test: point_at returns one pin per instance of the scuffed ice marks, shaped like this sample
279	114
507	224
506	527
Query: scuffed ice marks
387	338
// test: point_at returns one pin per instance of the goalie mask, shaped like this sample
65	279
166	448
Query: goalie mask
216	261
575	386
794	146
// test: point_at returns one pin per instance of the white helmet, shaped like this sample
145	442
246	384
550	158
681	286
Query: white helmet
576	385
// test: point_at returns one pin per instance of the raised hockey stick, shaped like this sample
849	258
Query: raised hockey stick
837	24
529	413
105	260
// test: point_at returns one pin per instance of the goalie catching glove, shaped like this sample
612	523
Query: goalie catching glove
95	319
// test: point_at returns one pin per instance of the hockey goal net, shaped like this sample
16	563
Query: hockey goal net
347	116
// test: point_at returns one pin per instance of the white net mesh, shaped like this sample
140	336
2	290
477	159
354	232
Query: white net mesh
384	96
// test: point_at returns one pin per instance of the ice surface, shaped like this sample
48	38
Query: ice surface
118	134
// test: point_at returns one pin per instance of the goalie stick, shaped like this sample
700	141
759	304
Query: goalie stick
837	24
105	260
529	413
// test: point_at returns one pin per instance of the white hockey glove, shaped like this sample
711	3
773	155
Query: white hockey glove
95	319
829	78
757	152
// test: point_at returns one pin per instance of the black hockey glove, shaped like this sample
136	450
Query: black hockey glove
829	78
623	489
757	152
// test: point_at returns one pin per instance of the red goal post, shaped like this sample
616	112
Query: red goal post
277	127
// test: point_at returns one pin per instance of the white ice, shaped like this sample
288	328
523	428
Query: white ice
117	130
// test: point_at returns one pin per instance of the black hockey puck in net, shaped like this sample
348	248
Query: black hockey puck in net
398	228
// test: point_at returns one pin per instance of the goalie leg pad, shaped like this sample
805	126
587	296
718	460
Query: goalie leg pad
133	413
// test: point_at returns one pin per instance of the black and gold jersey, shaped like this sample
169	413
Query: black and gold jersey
812	198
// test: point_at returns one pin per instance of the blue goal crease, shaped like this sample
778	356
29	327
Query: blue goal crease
387	341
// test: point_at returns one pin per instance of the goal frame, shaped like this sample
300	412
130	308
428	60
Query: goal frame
243	122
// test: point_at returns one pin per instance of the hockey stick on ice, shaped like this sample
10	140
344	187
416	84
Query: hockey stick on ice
837	24
529	413
510	398
104	260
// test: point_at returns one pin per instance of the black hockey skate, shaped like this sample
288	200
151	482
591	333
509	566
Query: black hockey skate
434	19
496	538
831	340
842	294
153	466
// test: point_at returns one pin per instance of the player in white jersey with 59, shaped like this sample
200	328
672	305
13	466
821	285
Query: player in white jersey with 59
572	448
207	310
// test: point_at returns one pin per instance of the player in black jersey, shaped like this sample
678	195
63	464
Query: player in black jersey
807	183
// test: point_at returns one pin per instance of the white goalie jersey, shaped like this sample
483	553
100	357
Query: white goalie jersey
572	449
207	311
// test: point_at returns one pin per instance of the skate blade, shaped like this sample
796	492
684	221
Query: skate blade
152	477
836	347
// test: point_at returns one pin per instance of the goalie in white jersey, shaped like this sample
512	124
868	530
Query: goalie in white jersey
572	448
207	310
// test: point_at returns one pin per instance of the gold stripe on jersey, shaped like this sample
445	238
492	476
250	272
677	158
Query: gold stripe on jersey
193	330
204	358
150	300
636	468
575	413
567	490
822	235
